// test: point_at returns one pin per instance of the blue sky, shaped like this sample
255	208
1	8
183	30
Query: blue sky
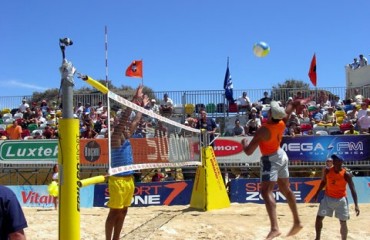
184	44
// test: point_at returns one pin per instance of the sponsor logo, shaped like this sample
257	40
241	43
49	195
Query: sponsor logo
224	147
92	151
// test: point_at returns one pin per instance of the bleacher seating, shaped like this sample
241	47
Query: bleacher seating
178	109
189	109
221	107
211	108
199	106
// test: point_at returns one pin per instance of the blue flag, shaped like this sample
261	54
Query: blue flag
228	86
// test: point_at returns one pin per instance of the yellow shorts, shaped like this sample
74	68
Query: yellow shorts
121	190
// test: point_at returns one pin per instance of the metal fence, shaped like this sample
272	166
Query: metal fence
210	96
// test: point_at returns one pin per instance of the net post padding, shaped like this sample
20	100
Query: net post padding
209	190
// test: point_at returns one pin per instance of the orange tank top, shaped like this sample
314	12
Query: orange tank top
336	184
271	146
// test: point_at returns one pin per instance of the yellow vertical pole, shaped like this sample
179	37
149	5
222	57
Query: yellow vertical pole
69	171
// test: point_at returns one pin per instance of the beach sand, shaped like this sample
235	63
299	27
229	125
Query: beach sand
239	221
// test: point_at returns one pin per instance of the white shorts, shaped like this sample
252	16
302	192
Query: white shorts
274	166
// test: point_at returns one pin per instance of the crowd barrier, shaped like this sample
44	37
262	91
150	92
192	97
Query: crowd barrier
242	190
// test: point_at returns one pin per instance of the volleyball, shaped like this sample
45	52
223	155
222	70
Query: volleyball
261	49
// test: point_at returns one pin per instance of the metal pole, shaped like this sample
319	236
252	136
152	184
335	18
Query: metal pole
68	155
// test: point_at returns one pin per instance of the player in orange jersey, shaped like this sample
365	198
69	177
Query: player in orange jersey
335	197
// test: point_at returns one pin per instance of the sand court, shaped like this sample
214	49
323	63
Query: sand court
240	221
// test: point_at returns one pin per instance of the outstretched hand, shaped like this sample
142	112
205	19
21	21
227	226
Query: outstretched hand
139	91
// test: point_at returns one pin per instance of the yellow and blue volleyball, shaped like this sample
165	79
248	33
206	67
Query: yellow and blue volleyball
261	49
53	189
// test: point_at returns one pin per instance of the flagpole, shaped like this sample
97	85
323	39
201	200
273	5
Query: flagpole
142	75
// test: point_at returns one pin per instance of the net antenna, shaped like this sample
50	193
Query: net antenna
107	98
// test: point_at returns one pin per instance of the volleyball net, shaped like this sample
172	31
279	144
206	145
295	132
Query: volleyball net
157	141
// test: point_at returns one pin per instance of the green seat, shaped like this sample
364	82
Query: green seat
211	108
32	126
1	121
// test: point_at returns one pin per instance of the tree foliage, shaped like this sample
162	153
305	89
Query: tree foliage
289	88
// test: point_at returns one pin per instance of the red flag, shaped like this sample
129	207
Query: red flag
135	69
312	72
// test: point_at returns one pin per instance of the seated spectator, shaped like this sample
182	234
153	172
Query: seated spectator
252	125
29	117
14	131
316	115
238	130
329	118
358	98
364	122
266	99
38	136
355	64
304	117
158	176
153	106
362	112
336	102
340	115
48	133
89	132
166	106
293	118
351	130
293	129
244	103
352	115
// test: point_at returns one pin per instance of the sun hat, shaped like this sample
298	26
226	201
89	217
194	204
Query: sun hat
277	112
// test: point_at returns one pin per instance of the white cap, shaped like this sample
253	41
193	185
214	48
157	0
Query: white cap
277	112
254	109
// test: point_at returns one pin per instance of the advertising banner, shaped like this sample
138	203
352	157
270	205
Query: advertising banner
38	196
228	150
245	190
151	194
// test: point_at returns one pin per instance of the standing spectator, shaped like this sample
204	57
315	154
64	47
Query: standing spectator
335	198
362	61
100	107
55	178
208	124
24	105
166	107
14	131
12	219
266	99
44	107
244	103
238	130
299	97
